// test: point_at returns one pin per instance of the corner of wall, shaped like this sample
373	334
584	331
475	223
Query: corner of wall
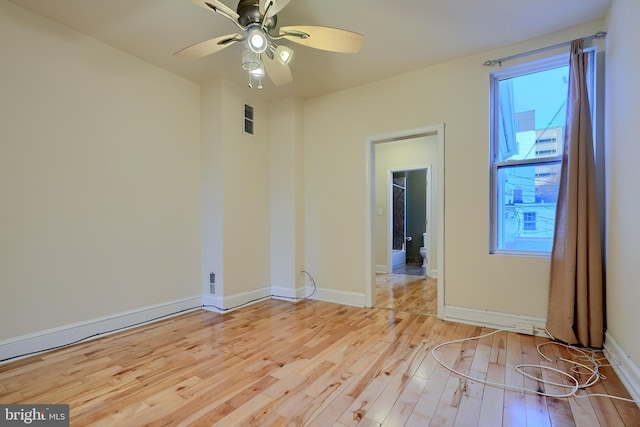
623	365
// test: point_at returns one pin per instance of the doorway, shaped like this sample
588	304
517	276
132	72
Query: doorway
410	145
410	224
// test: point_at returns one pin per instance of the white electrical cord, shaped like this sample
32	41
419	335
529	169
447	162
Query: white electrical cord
585	354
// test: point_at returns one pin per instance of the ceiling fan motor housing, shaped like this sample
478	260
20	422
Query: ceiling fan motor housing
249	11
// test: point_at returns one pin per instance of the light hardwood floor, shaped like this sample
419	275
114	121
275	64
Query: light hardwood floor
277	363
405	292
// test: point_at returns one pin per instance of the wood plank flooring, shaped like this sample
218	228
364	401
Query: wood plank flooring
313	363
405	292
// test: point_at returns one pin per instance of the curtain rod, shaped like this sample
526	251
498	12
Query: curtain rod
492	62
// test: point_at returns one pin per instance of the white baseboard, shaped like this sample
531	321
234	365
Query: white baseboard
235	301
247	297
213	303
433	273
381	268
44	340
494	319
339	297
288	294
627	370
232	302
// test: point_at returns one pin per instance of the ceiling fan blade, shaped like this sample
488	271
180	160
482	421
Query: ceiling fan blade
216	4
279	74
277	6
207	47
324	38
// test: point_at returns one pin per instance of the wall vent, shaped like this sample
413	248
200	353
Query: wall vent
248	119
212	280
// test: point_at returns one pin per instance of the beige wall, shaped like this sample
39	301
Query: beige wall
398	155
623	176
246	194
235	192
99	178
212	173
455	93
286	163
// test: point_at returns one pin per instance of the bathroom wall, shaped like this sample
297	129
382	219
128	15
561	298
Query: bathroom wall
416	212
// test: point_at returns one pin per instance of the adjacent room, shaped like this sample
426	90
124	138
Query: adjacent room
361	218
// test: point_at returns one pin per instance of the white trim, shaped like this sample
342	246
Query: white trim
285	292
339	297
225	304
381	268
94	328
494	319
626	369
246	297
288	294
429	229
234	302
212	303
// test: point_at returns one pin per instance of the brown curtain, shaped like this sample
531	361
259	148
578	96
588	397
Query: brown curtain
575	312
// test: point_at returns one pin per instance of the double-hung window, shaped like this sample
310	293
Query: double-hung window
528	121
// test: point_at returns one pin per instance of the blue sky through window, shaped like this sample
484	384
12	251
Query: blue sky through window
546	93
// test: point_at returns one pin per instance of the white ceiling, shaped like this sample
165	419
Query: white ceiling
400	36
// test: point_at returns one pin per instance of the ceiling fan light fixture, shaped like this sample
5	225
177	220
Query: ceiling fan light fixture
250	60
258	71
257	22
283	54
257	40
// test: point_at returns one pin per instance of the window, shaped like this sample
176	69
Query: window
517	195
529	223
528	115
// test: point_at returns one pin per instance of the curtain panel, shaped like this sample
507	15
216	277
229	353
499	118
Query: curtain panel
575	310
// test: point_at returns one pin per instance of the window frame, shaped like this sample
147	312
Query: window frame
510	72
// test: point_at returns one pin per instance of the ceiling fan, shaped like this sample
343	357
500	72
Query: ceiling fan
257	21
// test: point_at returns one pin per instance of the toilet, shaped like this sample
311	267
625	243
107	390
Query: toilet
423	250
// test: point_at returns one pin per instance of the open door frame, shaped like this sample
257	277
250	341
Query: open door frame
371	141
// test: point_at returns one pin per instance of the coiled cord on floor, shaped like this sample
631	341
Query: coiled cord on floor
589	362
